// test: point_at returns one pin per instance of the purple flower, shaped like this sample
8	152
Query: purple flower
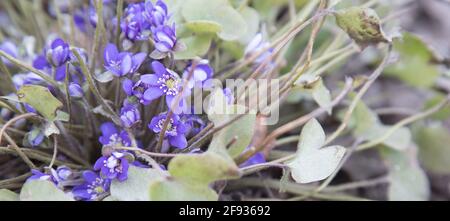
163	82
38	175
58	53
113	166
79	20
41	63
83	54
121	63
60	73
130	115
194	124
165	38
258	158
93	186
62	5
229	96
256	45
75	90
9	48
93	17
20	80
6	114
133	24
29	108
112	137
84	15
175	132
202	72
35	137
156	13
64	173
127	86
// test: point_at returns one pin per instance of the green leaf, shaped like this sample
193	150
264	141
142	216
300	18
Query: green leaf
312	161
367	125
205	26
136	187
171	190
434	148
408	182
50	128
310	84
8	195
41	99
218	11
62	116
174	8
202	169
234	138
251	17
414	66
42	190
191	175
442	114
196	46
362	24
233	48
322	96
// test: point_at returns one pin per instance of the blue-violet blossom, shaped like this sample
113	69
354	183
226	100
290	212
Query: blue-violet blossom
163	82
130	115
93	186
113	166
121	63
175	132
201	73
58	53
165	38
112	137
75	90
156	14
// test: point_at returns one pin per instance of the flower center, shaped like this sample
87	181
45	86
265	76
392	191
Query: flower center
111	162
171	128
99	189
115	139
168	84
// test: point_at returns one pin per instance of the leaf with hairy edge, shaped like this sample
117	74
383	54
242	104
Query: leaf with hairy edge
408	182
233	25
202	168
136	187
196	46
251	16
233	139
201	26
8	195
362	24
312	161
172	190
190	177
366	125
434	148
41	99
42	190
415	65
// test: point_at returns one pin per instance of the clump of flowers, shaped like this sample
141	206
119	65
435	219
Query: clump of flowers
107	93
